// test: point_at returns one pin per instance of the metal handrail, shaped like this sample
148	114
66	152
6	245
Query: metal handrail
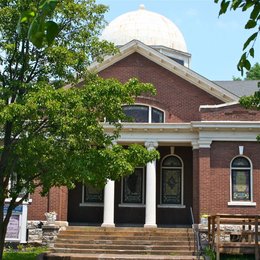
197	241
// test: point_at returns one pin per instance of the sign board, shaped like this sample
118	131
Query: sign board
13	228
16	229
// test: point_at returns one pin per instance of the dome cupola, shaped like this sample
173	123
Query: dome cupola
151	29
148	27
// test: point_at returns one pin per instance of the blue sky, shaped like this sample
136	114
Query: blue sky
214	42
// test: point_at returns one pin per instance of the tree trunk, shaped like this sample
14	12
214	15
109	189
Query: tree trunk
4	220
3	229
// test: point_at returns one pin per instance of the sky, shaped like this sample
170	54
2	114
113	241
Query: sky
215	43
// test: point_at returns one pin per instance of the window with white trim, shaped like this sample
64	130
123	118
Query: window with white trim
241	179
143	114
172	181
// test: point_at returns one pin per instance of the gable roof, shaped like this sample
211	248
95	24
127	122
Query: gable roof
240	87
167	63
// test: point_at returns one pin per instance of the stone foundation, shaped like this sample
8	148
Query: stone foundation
39	232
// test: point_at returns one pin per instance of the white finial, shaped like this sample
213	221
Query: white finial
142	7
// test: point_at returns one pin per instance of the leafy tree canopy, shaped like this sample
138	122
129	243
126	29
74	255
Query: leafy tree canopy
253	101
253	23
252	74
51	135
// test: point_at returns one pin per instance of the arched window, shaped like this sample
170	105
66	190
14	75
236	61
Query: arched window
241	179
172	180
143	114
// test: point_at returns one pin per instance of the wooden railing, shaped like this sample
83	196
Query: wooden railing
234	234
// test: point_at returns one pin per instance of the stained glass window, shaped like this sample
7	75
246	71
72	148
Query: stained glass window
171	180
92	194
241	179
133	187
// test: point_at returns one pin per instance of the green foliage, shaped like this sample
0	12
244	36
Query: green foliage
64	141
210	253
254	72
252	102
253	6
26	253
236	78
54	135
40	30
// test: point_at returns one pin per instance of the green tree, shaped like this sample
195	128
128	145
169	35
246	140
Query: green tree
253	73
253	23
41	29
51	135
253	101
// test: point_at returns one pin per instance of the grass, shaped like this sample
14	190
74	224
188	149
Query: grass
23	253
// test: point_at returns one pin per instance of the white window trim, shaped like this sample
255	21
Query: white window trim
250	203
133	205
162	205
242	203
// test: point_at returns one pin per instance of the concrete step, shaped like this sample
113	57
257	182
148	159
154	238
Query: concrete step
121	237
151	247
125	229
64	256
106	241
122	251
123	243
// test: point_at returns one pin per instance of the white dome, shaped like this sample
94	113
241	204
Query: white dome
148	27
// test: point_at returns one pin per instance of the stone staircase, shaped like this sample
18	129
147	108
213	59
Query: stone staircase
123	243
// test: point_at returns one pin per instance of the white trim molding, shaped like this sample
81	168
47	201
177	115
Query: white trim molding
242	203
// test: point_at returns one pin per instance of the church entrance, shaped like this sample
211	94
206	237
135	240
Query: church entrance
173	194
173	191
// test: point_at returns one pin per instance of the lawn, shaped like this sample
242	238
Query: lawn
28	253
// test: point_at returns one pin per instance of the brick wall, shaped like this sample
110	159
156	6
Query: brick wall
215	182
231	113
196	190
56	200
178	97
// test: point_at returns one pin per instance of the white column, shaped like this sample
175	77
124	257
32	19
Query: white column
23	226
150	208
109	198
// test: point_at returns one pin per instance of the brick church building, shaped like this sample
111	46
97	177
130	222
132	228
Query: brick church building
209	156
